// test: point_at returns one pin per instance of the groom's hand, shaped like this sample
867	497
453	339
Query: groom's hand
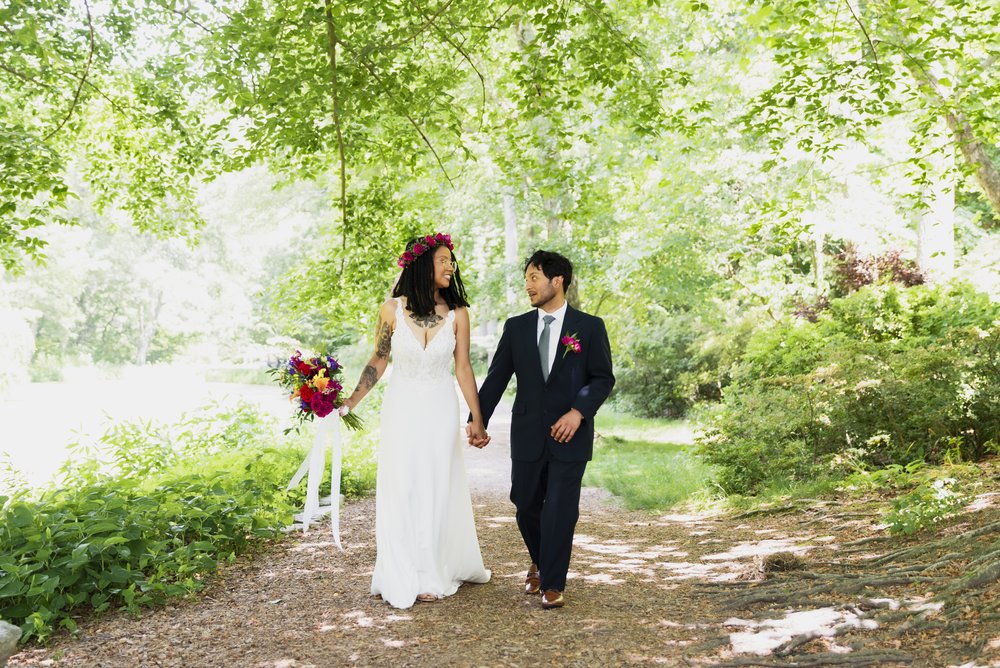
476	439
565	427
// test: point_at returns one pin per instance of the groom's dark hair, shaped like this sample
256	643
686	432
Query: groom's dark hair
552	265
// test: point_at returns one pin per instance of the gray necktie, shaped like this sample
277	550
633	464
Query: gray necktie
543	346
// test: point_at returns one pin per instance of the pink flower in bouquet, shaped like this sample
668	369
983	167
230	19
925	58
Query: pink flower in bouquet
322	404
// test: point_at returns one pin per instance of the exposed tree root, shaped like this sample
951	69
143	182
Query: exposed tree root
773	510
863	658
783	593
946	584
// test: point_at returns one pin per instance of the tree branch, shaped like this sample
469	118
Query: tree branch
26	78
865	32
468	59
419	31
401	106
332	41
83	77
614	30
239	57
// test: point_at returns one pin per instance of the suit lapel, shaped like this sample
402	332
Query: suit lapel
531	340
569	326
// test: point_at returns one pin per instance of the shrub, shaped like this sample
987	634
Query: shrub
685	360
150	518
927	505
894	374
852	271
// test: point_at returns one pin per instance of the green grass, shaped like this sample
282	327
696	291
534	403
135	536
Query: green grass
629	427
647	462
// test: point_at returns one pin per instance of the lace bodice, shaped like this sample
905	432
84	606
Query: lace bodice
411	360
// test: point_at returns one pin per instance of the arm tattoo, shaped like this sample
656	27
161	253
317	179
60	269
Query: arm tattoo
427	321
368	379
383	340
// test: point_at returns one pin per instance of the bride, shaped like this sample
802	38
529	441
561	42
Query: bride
425	534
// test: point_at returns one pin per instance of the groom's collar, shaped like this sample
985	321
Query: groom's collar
559	314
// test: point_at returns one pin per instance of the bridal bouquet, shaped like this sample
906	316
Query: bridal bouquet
315	384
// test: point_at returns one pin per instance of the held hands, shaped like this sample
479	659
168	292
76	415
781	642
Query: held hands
565	427
476	433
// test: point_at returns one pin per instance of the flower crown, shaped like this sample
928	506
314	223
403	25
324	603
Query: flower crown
424	245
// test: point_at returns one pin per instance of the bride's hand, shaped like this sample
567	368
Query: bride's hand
345	408
479	436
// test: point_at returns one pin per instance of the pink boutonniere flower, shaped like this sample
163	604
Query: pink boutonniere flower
571	344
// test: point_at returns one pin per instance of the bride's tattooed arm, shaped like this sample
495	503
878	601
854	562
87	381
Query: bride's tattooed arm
379	360
369	376
383	339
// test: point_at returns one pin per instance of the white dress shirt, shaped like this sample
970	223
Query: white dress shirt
555	329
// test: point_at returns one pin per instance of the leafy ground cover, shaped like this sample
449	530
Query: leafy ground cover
146	513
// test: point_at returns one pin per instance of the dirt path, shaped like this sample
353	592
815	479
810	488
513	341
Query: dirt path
644	589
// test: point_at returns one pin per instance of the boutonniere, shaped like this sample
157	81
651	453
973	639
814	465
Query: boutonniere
571	344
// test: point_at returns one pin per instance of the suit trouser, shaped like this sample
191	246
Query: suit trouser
546	494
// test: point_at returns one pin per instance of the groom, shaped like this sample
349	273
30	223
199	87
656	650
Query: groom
562	360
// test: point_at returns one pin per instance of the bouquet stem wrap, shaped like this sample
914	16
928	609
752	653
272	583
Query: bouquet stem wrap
327	435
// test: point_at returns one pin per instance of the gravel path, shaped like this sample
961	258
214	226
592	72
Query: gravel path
644	589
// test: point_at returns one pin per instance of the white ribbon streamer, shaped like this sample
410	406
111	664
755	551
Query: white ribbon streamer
327	434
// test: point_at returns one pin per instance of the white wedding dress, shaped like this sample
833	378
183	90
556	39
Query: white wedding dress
424	530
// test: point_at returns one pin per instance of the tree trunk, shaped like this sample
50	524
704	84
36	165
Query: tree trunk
147	329
975	155
332	41
973	150
510	258
936	239
936	227
819	263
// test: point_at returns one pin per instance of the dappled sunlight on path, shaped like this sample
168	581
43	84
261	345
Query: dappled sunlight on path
644	589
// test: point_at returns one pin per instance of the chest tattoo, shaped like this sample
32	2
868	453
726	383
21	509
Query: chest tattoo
426	321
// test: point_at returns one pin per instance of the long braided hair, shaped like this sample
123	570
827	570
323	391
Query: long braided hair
416	283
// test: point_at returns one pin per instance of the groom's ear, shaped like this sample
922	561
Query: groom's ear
557	281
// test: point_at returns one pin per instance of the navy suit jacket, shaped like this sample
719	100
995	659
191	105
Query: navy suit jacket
578	380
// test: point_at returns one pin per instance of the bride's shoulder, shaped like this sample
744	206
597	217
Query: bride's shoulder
388	309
